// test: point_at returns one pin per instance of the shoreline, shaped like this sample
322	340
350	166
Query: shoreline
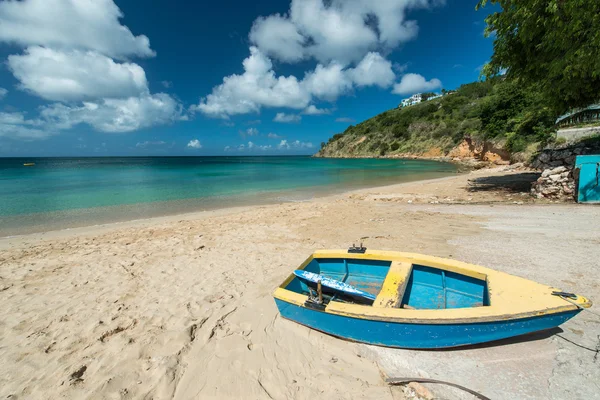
218	210
6	241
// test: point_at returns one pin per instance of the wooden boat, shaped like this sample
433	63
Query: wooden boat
417	301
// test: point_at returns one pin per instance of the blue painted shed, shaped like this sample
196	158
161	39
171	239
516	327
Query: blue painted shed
588	189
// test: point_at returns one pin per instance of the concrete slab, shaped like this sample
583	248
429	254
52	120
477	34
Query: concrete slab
555	245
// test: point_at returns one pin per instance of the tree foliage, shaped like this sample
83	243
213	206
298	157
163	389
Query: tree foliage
553	44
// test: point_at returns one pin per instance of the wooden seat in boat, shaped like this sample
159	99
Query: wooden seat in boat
394	285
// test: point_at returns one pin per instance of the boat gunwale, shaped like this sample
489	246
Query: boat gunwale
421	316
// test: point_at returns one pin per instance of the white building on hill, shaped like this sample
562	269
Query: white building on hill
412	100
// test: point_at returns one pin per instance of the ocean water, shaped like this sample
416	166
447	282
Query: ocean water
60	193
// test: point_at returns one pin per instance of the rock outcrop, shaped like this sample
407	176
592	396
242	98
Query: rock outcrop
482	151
557	165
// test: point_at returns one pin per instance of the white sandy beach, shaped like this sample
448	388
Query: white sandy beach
181	307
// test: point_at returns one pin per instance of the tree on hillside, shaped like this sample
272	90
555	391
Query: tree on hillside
553	44
427	95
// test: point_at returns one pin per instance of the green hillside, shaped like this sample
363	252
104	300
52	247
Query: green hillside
497	111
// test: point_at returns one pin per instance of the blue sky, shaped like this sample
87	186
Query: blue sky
157	77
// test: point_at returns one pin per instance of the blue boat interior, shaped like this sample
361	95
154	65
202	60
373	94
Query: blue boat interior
433	288
426	287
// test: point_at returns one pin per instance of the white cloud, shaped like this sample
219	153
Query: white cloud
336	30
313	110
75	75
296	144
3	93
249	132
194	144
258	86
167	84
287	118
69	57
345	119
283	145
277	35
329	82
71	24
143	145
272	135
414	83
14	125
373	70
115	115
250	146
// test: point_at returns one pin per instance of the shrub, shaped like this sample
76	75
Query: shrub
383	149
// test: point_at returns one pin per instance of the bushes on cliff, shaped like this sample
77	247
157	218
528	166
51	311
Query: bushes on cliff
496	109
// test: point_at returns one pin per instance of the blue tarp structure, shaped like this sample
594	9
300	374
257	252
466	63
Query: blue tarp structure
589	178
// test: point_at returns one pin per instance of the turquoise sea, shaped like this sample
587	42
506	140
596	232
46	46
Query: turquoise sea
58	193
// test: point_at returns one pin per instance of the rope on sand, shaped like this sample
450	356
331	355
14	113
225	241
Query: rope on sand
403	381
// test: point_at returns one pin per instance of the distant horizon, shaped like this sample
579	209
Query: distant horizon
166	156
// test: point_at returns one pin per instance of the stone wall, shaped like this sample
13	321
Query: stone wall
557	164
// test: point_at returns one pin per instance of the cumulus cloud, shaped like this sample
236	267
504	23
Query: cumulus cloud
328	82
75	75
313	110
277	35
345	119
283	145
287	118
115	115
296	144
15	125
69	58
105	115
414	83
3	92
373	70
346	37
194	144
71	24
337	30
272	135
249	132
259	86
250	146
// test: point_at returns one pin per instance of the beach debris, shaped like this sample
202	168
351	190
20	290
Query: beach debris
76	376
423	392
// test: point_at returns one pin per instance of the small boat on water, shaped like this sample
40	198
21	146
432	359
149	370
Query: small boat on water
29	164
415	301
